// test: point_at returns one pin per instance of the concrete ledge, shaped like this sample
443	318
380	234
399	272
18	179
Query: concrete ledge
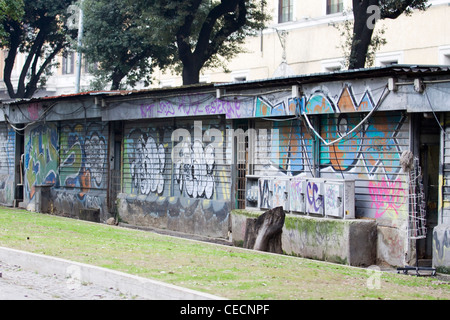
126	283
351	242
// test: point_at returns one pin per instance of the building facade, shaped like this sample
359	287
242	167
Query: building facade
365	149
303	37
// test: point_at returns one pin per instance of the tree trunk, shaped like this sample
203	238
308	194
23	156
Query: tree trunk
362	34
191	74
264	233
116	78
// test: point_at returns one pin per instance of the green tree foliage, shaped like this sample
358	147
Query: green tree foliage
9	10
40	34
120	39
366	13
184	35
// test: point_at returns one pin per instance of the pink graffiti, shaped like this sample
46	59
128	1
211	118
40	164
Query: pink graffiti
33	111
386	196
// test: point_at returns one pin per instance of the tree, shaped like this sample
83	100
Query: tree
128	38
206	31
40	35
121	40
366	13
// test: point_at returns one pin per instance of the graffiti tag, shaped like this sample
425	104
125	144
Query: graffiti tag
387	196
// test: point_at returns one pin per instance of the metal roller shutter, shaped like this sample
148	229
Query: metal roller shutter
83	155
202	170
283	147
199	170
446	170
147	157
371	157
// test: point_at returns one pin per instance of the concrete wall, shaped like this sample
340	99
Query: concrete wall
195	216
351	242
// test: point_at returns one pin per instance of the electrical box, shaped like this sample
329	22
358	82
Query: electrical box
297	190
339	199
251	192
333	198
280	193
314	196
273	192
265	191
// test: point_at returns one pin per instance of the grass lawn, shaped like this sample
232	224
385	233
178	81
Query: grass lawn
229	272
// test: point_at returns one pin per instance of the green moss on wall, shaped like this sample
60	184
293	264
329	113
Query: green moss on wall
247	213
312	225
304	224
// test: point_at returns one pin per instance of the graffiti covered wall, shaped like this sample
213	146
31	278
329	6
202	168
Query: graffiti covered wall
71	157
367	152
348	145
175	175
83	168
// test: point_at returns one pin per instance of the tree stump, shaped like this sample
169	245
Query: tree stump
264	233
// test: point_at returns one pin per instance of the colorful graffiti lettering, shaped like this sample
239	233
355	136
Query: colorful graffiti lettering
41	158
375	143
387	196
319	103
381	147
82	156
343	155
294	147
283	107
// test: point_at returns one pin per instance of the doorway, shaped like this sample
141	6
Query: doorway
115	165
429	155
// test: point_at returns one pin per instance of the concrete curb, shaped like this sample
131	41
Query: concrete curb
77	273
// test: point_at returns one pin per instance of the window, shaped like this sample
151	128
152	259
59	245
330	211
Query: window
68	63
335	6
285	10
444	55
332	65
388	59
239	76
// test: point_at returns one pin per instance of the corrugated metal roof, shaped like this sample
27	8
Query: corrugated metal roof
63	96
392	70
347	74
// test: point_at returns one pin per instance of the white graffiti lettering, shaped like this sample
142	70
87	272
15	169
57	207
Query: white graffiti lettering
148	167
